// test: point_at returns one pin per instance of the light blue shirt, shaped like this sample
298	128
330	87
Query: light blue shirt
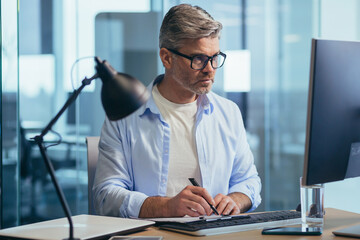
134	156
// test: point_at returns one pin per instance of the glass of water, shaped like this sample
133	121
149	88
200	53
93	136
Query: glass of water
312	204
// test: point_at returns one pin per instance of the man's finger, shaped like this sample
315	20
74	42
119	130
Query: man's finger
195	207
203	193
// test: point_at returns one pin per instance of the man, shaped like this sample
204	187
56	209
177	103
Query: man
183	131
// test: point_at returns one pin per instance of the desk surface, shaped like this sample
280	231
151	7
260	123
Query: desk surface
334	219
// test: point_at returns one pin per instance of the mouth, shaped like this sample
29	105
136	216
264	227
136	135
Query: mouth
209	80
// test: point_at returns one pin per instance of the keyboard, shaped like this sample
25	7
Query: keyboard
236	223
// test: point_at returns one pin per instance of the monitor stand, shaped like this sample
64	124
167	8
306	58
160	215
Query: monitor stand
353	231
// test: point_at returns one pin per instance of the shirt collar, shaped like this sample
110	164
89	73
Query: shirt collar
204	101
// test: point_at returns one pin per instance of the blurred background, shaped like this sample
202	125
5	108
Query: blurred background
266	73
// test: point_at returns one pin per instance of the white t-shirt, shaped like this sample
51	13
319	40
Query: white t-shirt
183	159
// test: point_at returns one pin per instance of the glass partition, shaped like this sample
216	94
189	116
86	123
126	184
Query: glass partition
53	35
9	132
287	60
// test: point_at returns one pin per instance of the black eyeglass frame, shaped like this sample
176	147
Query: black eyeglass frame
205	63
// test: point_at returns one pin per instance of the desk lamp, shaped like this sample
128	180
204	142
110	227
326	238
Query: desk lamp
121	95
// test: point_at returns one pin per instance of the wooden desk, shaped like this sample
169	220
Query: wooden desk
334	219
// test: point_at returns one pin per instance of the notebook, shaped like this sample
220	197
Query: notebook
85	227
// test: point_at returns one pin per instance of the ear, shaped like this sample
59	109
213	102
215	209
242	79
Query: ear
165	56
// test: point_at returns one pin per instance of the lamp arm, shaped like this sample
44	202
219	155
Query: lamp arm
71	99
40	142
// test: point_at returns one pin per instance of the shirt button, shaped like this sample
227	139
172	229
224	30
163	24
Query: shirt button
166	151
163	180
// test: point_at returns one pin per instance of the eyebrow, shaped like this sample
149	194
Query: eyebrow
195	54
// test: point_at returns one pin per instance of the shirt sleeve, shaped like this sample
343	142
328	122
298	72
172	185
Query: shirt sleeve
113	183
244	176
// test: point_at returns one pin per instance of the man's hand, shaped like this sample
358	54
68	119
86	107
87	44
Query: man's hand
232	204
190	201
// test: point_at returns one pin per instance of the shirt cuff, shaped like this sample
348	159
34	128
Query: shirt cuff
254	197
132	204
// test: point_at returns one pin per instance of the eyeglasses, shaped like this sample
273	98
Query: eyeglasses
199	62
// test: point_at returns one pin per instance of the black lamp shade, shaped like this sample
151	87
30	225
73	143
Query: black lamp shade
121	94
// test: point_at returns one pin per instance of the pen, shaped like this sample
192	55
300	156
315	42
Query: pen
195	183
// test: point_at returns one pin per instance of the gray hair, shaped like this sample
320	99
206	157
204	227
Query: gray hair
186	22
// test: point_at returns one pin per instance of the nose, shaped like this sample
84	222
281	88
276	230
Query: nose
208	67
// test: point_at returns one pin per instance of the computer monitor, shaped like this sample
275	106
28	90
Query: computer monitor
332	149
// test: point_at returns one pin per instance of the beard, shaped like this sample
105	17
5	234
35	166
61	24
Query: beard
198	84
201	88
